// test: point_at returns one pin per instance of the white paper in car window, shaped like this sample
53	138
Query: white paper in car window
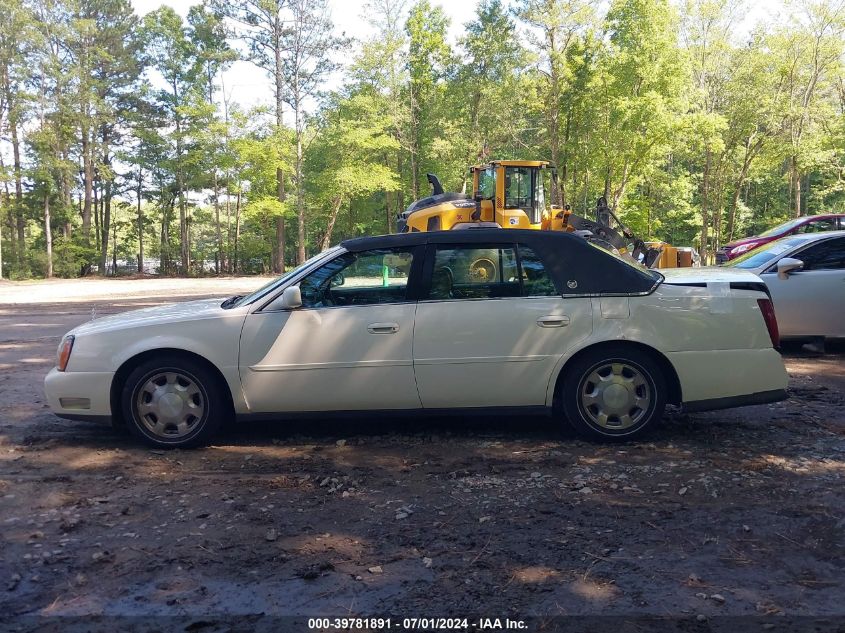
777	249
720	297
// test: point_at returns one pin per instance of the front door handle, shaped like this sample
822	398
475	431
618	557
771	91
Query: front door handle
383	328
553	321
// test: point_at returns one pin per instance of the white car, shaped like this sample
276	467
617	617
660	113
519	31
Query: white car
471	320
805	275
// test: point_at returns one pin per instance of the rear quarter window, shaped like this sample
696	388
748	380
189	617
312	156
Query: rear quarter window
578	267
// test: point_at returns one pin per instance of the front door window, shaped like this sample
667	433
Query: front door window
365	278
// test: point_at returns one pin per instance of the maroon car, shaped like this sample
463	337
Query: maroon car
805	224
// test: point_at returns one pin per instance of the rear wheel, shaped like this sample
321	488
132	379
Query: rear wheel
173	402
613	394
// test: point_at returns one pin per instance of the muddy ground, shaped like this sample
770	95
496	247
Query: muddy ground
737	512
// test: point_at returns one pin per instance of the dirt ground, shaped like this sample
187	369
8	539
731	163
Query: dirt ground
738	512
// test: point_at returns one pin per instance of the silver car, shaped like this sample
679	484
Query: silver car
806	277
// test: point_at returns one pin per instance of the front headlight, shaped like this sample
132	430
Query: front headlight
744	247
65	348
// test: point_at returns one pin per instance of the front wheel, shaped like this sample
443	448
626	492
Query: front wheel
173	402
613	394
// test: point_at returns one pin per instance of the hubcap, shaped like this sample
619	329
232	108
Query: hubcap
615	395
170	404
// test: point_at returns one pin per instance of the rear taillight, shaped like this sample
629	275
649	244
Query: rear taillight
768	311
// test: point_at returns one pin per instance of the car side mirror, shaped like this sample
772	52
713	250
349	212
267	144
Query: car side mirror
787	265
290	299
337	280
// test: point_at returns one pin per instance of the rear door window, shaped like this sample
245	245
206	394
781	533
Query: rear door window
817	226
488	272
474	272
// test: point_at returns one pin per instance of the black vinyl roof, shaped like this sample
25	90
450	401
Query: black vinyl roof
463	236
577	267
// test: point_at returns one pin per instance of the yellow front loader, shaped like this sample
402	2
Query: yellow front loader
524	194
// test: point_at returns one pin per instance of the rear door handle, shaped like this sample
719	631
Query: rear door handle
553	321
383	328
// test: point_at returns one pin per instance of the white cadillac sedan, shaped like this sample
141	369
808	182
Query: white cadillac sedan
459	321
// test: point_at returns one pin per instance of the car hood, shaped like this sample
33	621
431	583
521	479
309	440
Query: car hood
746	240
173	312
707	274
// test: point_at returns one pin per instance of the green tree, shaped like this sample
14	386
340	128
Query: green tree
429	63
642	80
359	128
262	25
17	32
171	51
491	104
307	60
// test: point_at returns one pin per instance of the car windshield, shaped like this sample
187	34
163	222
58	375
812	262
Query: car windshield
780	228
764	254
269	287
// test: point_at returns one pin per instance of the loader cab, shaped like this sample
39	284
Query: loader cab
516	194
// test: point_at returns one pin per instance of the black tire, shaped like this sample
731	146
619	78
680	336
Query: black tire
636	405
197	386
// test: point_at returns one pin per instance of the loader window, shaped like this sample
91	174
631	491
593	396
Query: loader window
487	183
518	190
524	190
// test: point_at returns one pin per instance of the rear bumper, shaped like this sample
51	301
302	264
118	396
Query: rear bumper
722	377
79	395
762	397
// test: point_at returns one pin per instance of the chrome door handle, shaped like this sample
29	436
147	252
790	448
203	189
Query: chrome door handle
383	328
553	321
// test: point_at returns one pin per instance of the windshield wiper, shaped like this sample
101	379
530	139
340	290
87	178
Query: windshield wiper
231	301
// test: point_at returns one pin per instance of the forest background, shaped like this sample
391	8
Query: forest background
122	148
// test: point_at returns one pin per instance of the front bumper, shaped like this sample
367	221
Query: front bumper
79	395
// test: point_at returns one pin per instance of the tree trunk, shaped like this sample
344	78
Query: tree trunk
140	223
300	199
165	237
114	250
88	177
184	247
6	186
280	176
389	212
796	186
327	238
106	203
400	196
218	260
96	209
19	217
228	226
107	195
705	207
237	227
48	235
553	111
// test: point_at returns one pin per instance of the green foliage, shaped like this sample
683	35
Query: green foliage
118	134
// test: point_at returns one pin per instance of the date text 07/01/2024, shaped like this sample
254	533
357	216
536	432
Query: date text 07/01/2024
411	624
